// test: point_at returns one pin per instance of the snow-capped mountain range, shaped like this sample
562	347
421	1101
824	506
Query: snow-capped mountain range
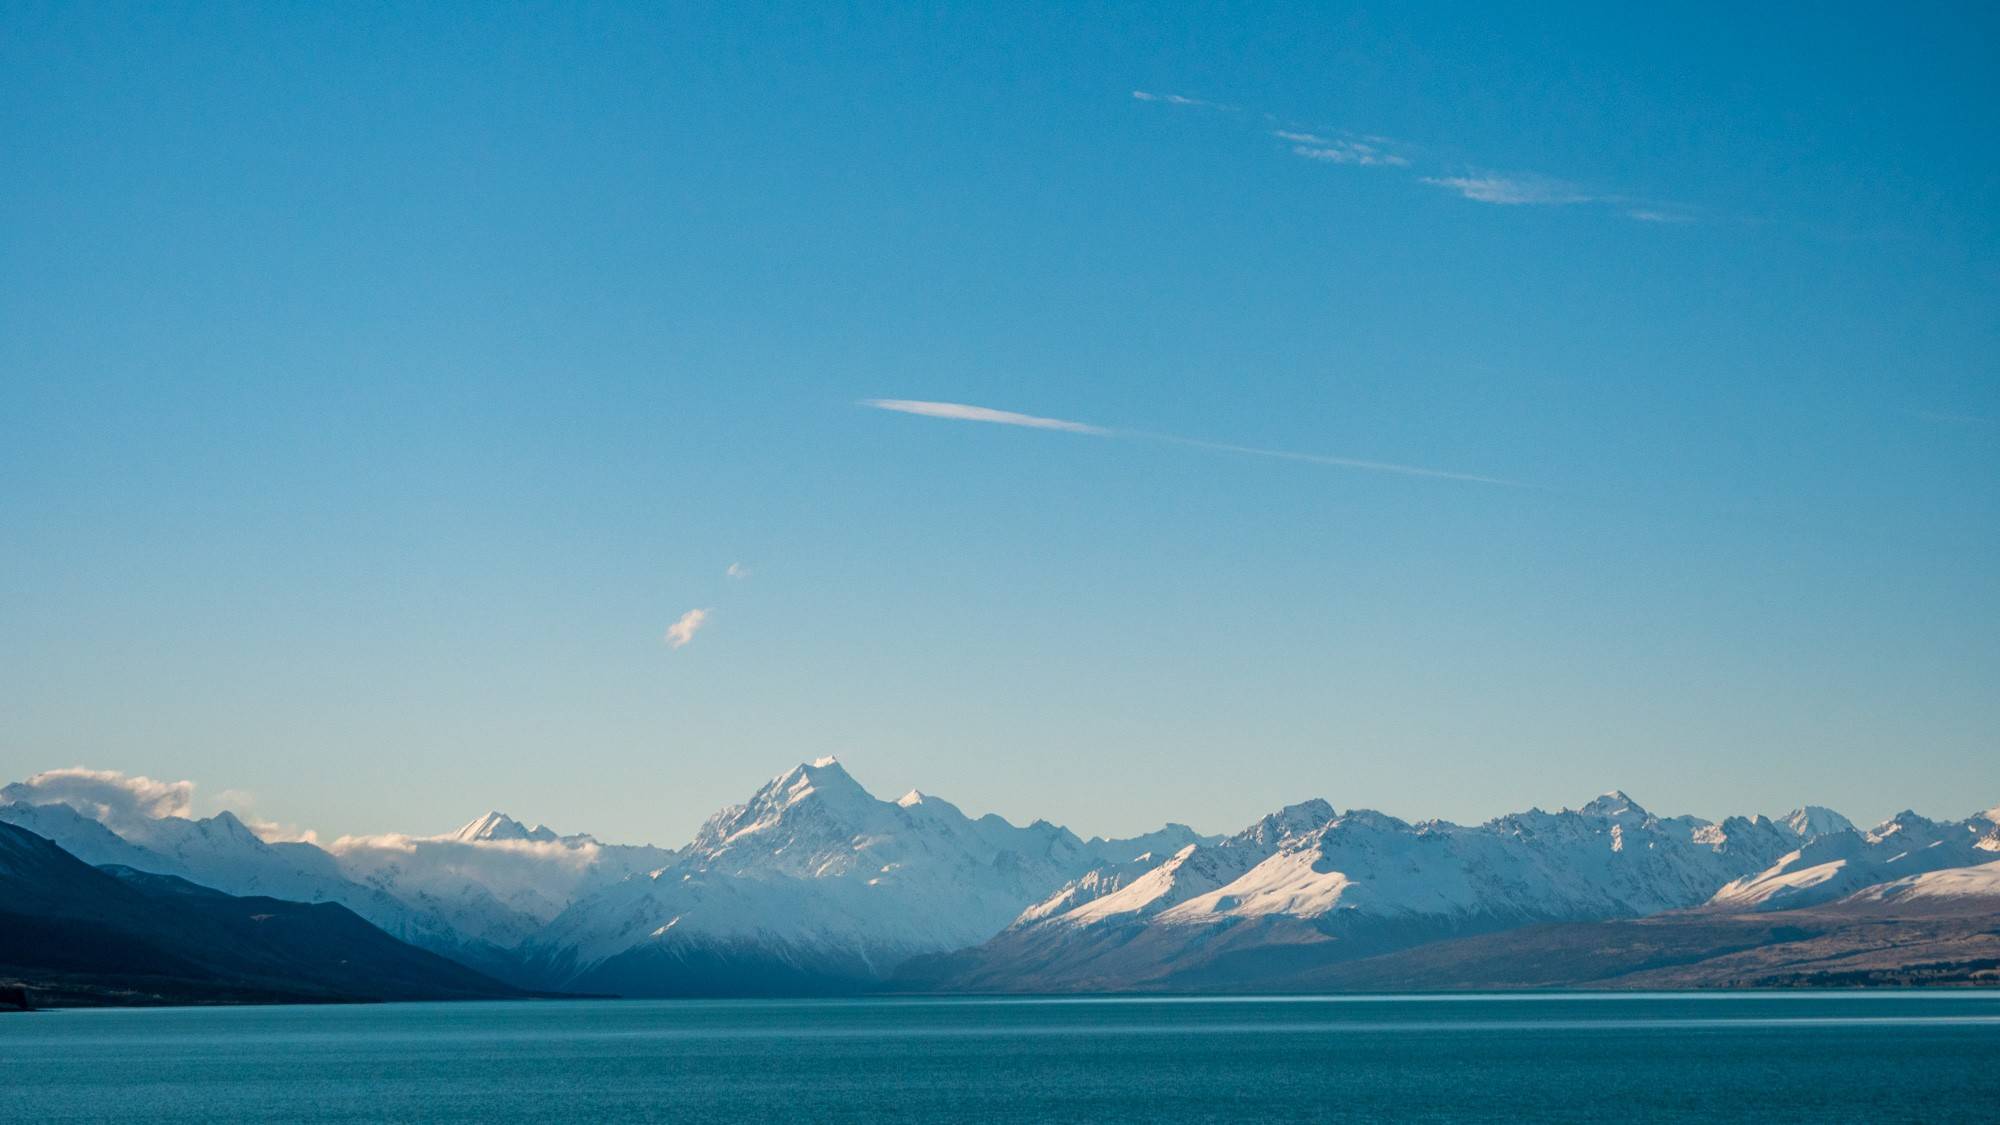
815	884
1360	882
811	881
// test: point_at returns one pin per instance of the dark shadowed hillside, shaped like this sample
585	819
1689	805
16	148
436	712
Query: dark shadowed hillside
76	934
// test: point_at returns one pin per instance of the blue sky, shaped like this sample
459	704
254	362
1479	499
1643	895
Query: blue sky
381	385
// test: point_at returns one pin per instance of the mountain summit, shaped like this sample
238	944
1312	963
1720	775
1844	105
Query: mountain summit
500	826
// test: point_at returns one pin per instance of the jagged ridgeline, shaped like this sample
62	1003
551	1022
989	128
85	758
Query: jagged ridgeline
814	885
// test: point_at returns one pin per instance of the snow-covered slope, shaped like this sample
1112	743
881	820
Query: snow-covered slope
1981	881
1839	863
1153	882
816	883
1610	858
85	838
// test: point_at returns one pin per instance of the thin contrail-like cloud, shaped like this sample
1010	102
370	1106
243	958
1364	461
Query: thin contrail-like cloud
1338	462
963	412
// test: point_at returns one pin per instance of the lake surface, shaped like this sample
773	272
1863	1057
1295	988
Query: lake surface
1767	1057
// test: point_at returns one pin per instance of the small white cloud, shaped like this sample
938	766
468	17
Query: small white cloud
1517	190
683	630
737	570
964	413
107	796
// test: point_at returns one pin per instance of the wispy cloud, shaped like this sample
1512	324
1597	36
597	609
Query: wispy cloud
1340	150
683	630
1528	189
1513	190
964	412
1357	149
1180	99
736	570
959	411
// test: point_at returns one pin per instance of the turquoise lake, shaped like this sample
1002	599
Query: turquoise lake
1766	1057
